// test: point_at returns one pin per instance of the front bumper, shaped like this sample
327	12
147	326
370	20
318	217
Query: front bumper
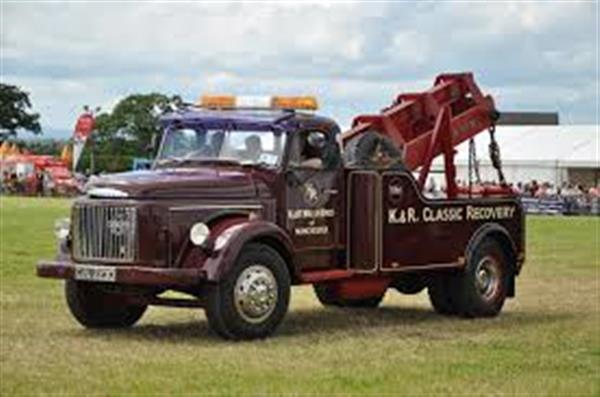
134	275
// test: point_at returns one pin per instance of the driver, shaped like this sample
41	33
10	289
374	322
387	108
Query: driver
312	150
212	148
310	158
253	148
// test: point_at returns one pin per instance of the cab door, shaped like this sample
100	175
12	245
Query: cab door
313	200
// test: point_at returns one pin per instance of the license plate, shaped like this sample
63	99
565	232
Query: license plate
107	274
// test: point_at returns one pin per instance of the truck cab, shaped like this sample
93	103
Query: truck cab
242	202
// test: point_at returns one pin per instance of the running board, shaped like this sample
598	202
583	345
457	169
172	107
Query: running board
170	302
325	275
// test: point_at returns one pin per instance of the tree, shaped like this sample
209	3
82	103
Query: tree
126	132
15	111
47	146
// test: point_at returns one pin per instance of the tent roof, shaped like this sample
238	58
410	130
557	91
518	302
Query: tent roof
567	145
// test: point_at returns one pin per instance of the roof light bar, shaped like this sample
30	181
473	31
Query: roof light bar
258	102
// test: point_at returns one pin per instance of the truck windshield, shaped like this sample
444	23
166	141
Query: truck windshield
188	145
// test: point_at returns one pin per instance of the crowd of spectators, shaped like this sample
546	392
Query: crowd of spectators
567	198
549	190
540	197
12	182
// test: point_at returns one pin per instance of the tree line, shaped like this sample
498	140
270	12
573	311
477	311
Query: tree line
122	134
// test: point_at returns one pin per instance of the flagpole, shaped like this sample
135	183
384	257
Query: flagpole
92	154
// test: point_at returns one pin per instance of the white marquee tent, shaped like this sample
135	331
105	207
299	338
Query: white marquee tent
552	154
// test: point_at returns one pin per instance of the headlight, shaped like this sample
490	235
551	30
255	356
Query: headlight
62	227
199	233
224	237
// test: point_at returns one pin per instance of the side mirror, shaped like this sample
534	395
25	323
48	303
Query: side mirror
153	145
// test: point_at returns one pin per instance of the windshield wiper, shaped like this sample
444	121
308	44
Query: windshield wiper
179	161
261	164
217	160
167	160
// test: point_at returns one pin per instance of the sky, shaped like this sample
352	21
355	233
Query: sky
355	57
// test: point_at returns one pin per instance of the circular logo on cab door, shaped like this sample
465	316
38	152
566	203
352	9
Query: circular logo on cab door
311	194
395	190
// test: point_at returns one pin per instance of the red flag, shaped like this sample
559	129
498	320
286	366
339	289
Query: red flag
83	129
84	126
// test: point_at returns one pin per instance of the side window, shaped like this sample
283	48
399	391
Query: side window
314	149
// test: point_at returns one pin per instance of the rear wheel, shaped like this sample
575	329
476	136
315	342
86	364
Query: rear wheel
410	284
328	297
253	299
442	294
482	287
94	307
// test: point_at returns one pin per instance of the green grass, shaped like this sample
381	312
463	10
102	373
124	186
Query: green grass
546	341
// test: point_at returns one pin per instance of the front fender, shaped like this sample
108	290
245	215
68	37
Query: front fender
218	265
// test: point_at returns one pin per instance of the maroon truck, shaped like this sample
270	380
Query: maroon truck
248	197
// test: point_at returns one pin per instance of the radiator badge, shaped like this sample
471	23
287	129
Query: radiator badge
118	227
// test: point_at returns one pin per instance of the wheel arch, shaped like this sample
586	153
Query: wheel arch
263	232
225	215
499	234
282	249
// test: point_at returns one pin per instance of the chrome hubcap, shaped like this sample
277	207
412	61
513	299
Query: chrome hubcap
255	293
487	277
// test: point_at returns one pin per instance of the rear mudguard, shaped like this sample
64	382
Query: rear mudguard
219	263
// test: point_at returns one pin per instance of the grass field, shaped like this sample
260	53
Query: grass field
546	341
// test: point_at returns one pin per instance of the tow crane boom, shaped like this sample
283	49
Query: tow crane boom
425	125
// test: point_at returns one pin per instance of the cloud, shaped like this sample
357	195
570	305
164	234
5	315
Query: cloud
356	57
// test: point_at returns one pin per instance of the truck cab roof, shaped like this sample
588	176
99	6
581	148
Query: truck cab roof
276	119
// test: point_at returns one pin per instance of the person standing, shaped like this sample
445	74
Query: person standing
39	183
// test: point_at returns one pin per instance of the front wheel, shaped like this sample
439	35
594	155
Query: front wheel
94	307
252	300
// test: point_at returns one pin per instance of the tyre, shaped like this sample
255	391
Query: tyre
441	292
482	287
373	150
410	284
326	295
251	301
94	307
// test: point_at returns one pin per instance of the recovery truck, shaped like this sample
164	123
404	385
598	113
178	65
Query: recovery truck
250	196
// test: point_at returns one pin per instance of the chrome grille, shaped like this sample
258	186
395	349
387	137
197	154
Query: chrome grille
104	233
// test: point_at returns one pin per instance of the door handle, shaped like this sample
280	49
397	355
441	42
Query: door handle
332	192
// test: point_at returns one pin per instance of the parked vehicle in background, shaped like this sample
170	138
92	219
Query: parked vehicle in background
41	175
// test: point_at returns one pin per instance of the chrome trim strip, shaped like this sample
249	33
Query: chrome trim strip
429	266
217	206
106	192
